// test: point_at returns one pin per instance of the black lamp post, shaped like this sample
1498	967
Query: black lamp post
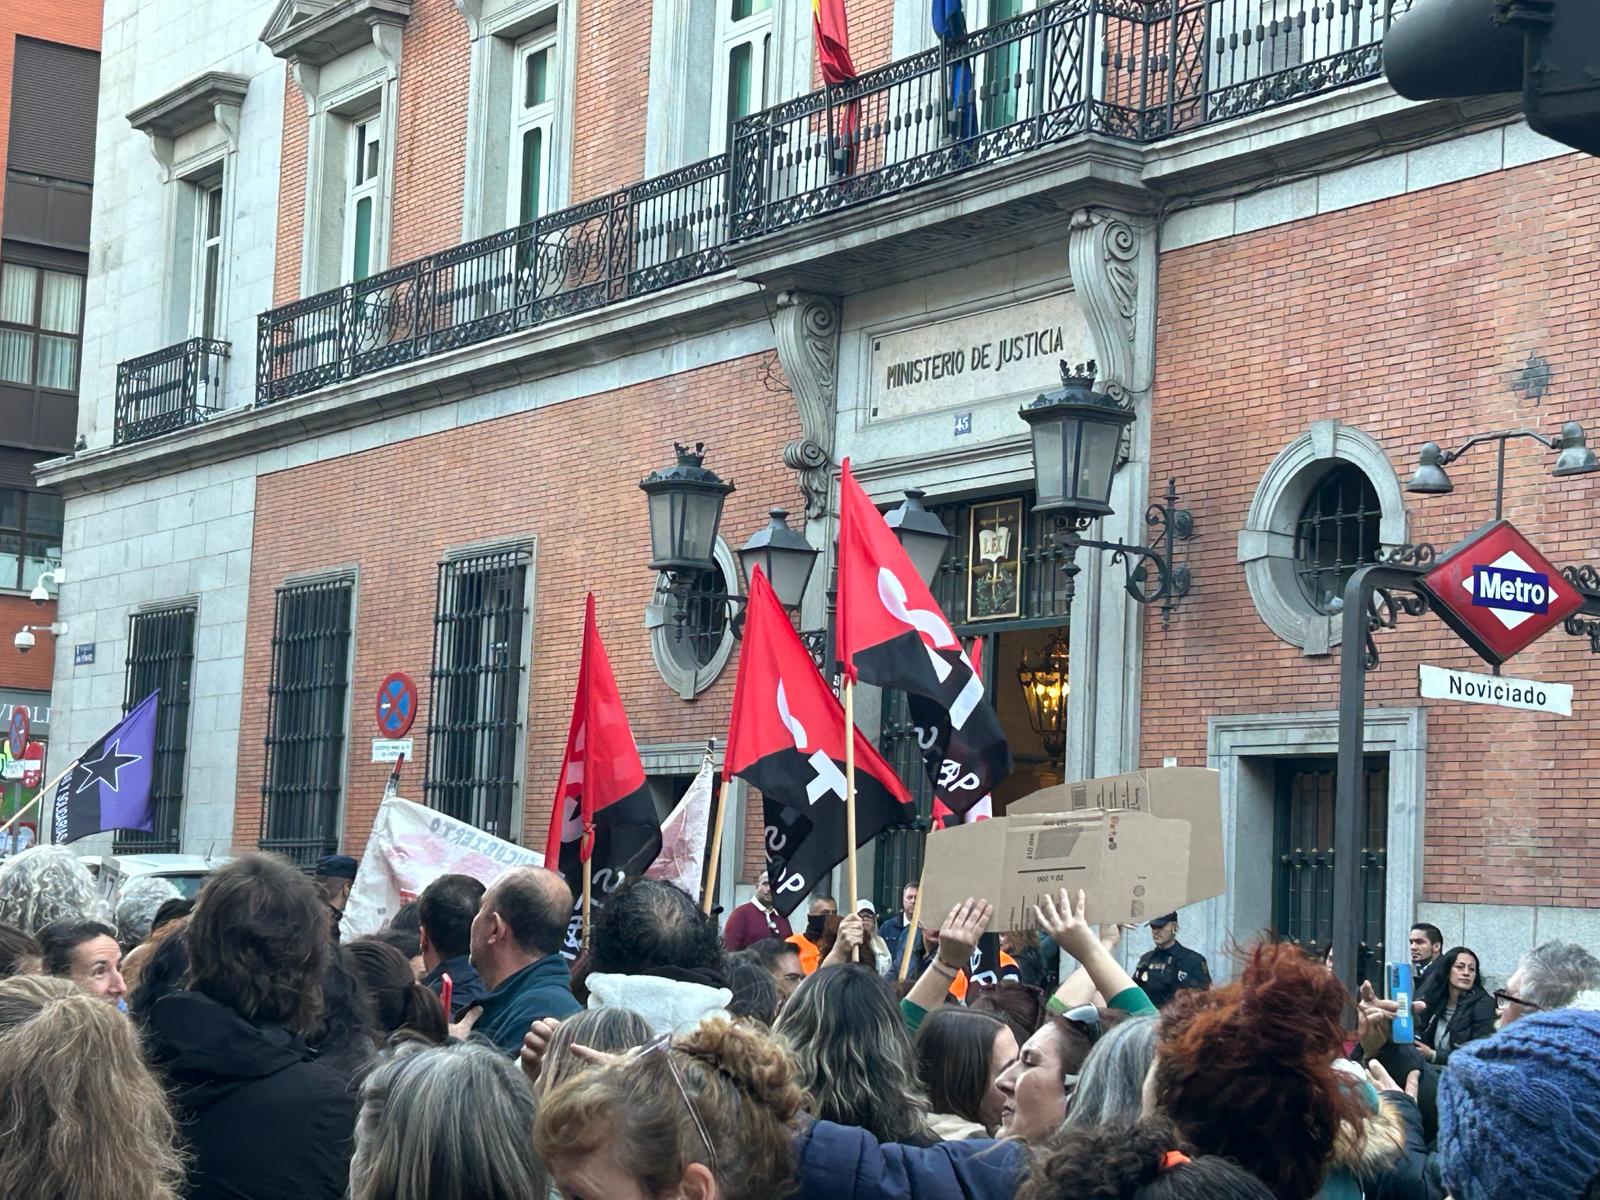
1077	433
1574	458
685	511
921	534
784	556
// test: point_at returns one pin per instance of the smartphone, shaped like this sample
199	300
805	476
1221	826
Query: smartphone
447	989
1402	1031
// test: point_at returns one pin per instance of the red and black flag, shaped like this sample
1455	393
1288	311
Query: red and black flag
603	812
891	633
787	738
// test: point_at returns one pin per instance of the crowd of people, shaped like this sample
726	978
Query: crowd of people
228	1046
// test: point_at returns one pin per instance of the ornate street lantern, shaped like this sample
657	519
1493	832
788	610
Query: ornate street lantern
1076	435
922	535
784	556
685	511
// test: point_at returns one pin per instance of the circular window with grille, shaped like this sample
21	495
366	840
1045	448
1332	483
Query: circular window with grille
1336	533
691	637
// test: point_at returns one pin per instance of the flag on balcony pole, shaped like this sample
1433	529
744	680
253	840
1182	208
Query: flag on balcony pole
961	112
833	56
787	738
603	827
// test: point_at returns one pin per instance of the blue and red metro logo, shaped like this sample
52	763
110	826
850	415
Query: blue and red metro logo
1499	593
1499	586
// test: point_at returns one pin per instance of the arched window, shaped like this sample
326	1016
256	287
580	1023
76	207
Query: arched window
1337	531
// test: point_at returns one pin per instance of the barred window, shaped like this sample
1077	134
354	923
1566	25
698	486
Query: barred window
301	788
161	655
479	679
1336	533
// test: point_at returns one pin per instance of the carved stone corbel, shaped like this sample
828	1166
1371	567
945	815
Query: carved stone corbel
807	329
472	12
1103	251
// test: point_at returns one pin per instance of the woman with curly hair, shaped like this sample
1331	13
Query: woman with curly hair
846	1032
709	1113
83	1115
1125	1160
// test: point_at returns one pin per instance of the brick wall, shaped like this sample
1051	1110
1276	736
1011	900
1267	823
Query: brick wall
569	475
68	22
431	132
32	670
612	86
1407	319
291	194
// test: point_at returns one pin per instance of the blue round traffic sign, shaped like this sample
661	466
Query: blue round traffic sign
17	734
397	704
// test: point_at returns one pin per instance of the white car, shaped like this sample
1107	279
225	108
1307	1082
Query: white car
186	872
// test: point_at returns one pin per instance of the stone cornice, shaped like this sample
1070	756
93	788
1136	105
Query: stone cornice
315	32
190	105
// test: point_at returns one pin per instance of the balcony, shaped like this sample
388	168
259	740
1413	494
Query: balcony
169	389
1133	72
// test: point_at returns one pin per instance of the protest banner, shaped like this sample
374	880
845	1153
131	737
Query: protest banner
410	846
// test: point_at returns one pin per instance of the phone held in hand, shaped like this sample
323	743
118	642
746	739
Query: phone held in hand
447	988
1402	1031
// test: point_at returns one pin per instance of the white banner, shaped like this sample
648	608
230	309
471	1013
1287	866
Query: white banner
682	861
411	846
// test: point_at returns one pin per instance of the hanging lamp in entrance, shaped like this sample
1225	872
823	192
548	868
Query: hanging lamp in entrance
1045	687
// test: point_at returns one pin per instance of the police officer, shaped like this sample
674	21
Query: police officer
1162	971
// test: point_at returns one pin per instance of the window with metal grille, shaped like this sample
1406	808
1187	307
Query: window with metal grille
306	701
1337	532
161	655
479	680
1303	898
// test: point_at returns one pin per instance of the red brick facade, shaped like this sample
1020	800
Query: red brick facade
1405	318
567	475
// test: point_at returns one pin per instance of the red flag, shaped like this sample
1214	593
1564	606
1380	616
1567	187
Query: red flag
603	808
833	40
787	738
892	633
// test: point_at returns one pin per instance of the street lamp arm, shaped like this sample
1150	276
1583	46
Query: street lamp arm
1446	457
1132	559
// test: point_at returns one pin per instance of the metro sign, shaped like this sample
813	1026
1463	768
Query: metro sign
1499	593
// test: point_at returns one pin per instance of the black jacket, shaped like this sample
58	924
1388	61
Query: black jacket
467	988
1474	1018
262	1120
1162	972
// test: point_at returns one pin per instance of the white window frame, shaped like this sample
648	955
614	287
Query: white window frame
755	31
526	118
207	192
365	129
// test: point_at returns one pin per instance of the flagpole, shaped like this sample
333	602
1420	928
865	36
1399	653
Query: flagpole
916	925
850	788
49	787
716	851
588	881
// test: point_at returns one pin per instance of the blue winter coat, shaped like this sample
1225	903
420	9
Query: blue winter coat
841	1162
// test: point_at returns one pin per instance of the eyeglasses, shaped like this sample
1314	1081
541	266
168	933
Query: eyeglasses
1502	998
663	1044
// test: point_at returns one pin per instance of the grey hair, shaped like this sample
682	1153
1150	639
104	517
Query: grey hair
1111	1082
137	905
1554	973
848	1038
612	1030
45	884
452	1122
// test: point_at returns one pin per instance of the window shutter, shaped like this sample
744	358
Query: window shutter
54	95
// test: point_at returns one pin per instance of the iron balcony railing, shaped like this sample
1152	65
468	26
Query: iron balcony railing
169	389
1134	70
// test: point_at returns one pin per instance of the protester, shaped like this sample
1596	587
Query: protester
19	953
135	961
346	1037
876	950
1426	944
163	971
849	1043
446	1123
409	945
172	910
1550	976
85	953
261	1118
1519	1112
1124	1160
516	943
1169	967
1111	1081
1020	1006
654	952
334	876
1458	1011
547	1056
895	928
82	1114
808	941
755	995
960	1054
444	930
755	919
47	883
401	1007
407	918
710	1113
782	961
137	904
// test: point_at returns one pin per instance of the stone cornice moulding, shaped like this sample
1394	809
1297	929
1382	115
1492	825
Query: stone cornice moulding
316	32
807	333
213	97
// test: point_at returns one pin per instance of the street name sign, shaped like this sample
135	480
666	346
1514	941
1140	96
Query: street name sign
1498	593
1441	683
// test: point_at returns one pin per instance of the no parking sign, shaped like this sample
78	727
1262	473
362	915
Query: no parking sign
21	727
397	704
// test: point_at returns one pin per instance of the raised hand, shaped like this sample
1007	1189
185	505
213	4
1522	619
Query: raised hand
958	936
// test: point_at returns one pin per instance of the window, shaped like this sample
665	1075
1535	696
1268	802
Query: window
532	127
41	317
206	294
479	682
1006	72
1336	533
1303	896
739	87
306	720
161	655
30	537
691	639
361	196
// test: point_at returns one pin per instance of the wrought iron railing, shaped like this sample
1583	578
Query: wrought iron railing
1134	70
169	389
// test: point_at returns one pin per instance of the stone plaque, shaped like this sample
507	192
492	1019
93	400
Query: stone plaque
1005	352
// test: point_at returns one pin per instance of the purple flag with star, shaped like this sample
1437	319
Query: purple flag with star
110	785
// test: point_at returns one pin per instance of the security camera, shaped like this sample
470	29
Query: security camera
40	595
23	641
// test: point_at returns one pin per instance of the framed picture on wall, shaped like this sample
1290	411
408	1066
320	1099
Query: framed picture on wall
994	552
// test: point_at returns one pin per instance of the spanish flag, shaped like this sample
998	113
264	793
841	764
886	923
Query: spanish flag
833	55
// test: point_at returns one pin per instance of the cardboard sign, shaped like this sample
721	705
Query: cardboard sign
1140	845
